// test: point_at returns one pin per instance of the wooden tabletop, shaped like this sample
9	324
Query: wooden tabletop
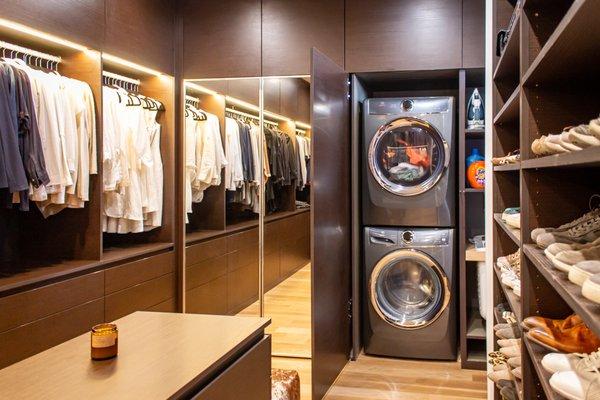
160	354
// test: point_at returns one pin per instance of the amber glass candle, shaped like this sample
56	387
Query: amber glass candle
104	341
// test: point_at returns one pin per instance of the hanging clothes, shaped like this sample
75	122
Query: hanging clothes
133	170
48	138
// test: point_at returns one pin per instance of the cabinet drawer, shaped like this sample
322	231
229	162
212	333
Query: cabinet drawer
136	272
243	239
24	307
140	297
248	378
210	298
205	271
205	250
243	257
242	288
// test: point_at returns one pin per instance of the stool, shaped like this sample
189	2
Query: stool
285	384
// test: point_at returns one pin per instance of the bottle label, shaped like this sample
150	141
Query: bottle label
101	341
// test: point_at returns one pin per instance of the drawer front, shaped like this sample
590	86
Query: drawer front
242	257
34	337
136	272
248	378
205	271
271	270
140	297
242	288
210	298
166	306
29	306
205	250
243	239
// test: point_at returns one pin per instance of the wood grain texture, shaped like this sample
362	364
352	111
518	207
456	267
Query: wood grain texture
290	28
221	38
330	221
142	31
209	298
75	20
409	35
473	33
133	273
160	354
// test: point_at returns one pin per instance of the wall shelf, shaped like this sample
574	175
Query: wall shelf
536	353
512	299
513	233
507	167
508	64
509	113
589	157
476	327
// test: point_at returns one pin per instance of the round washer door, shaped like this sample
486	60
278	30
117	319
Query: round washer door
408	156
408	289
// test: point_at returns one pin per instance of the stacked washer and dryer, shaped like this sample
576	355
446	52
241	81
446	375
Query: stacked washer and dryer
408	215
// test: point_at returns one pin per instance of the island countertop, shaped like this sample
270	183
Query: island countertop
161	356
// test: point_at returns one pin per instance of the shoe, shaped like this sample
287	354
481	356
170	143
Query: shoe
500	375
555	248
554	144
500	367
517	288
510	280
509	342
567	142
510	352
591	288
578	339
518	373
574	387
514	361
507	262
595	127
548	323
539	148
509	332
582	137
509	393
566	259
512	217
589	215
503	314
559	362
581	271
511	158
584	232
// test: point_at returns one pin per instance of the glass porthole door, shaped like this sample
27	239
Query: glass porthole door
408	156
408	289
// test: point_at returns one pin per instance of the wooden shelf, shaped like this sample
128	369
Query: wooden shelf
507	167
509	113
475	133
474	255
476	326
476	359
513	233
508	64
120	253
570	293
513	300
589	157
471	190
536	353
566	55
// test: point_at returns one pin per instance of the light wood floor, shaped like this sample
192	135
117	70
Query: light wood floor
288	306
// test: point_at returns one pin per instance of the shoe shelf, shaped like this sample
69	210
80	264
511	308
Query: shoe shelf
509	113
589	157
476	327
570	293
512	299
536	353
507	167
513	233
474	255
567	54
508	64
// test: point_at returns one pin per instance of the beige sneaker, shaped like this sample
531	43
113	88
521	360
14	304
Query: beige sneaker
505	263
583	232
581	271
566	259
589	215
591	288
539	146
511	158
552	250
580	136
595	127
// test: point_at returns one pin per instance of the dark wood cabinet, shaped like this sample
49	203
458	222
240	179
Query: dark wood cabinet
290	28
142	31
403	35
221	38
473	33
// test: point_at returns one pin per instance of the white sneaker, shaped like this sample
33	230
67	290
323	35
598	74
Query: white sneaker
510	279
554	144
582	271
559	362
573	386
584	232
513	219
514	361
517	289
509	342
567	143
555	248
591	288
595	127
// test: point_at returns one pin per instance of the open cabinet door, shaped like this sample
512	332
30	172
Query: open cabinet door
330	222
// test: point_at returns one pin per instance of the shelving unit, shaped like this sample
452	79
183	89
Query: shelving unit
543	100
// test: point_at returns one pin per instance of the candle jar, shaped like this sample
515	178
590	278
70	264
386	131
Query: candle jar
104	341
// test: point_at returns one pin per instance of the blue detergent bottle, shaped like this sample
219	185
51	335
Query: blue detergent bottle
475	156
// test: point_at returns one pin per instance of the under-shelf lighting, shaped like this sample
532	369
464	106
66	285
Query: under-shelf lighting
302	125
200	89
42	35
130	64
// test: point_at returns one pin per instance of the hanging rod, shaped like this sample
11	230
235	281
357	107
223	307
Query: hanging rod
244	114
192	99
34	53
122	78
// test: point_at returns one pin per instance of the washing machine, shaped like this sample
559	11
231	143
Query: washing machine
409	309
409	174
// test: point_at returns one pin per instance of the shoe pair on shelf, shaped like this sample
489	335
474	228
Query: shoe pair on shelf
512	217
506	362
575	376
510	269
511	158
572	138
584	229
569	335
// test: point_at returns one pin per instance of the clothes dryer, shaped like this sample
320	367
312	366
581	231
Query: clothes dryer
409	309
409	175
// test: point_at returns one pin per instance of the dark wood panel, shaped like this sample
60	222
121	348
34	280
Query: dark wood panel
242	287
222	39
291	28
289	93
142	31
210	298
330	206
272	94
390	35
205	250
242	257
140	297
473	33
271	274
244	89
248	378
205	271
25	307
27	340
304	103
79	21
242	239
130	274
166	306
